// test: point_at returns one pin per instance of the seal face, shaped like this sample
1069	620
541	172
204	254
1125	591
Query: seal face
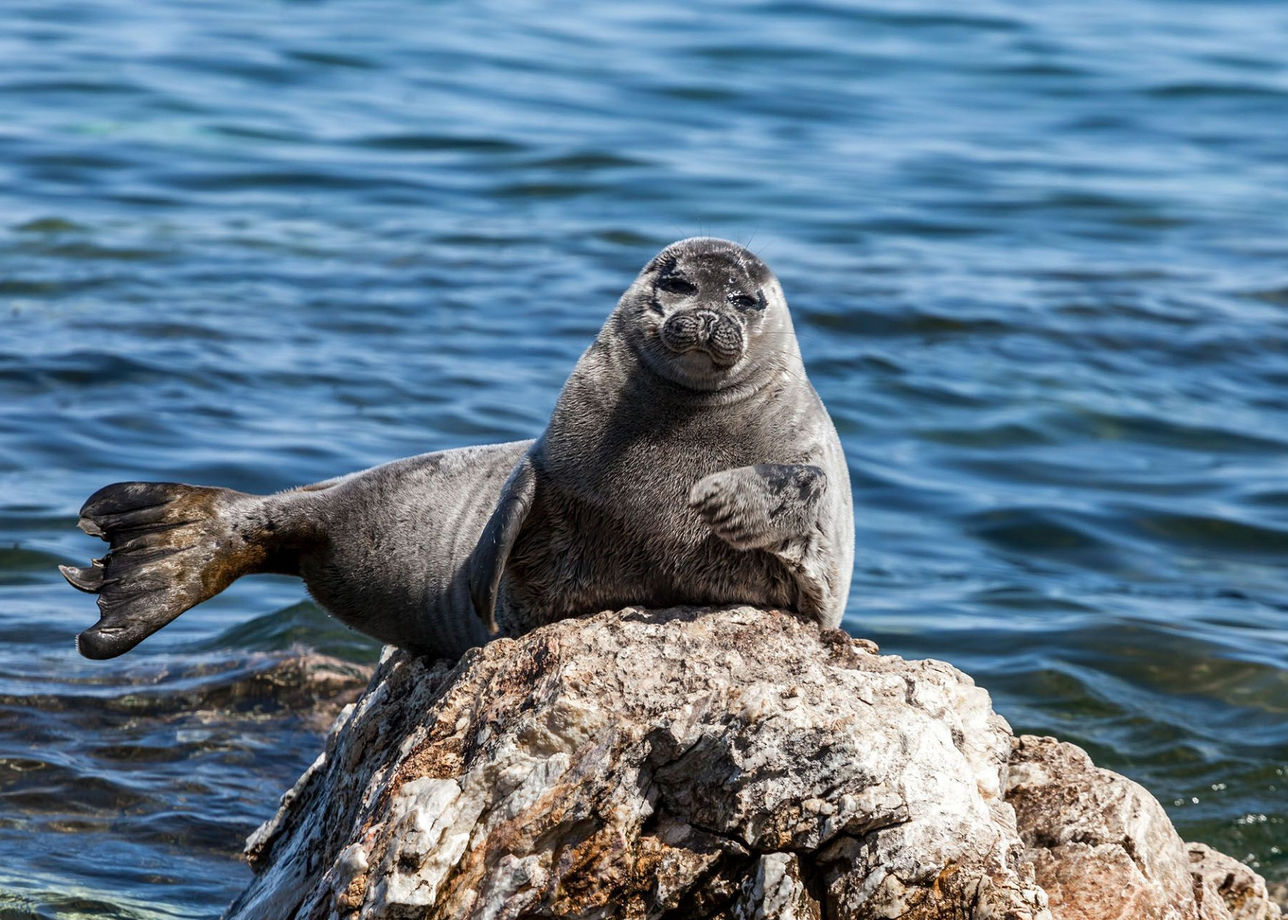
698	310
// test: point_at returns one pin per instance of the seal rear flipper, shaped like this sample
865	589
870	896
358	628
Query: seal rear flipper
487	562
172	547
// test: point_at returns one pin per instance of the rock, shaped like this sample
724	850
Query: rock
1279	895
1218	877
1103	847
686	763
311	686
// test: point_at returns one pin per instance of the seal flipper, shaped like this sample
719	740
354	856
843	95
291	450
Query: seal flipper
772	507
172	546
487	562
755	507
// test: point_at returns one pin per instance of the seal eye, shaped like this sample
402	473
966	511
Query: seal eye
674	284
747	302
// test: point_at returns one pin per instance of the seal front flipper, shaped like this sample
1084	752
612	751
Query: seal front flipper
172	546
487	562
773	507
754	507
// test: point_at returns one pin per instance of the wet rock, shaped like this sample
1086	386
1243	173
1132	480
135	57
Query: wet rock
310	686
730	763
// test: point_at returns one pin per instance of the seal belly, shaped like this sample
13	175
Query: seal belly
576	558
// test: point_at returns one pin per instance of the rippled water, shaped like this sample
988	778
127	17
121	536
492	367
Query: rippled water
1037	253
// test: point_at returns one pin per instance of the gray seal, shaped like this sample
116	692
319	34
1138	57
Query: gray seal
688	461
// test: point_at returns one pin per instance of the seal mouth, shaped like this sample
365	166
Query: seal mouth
719	337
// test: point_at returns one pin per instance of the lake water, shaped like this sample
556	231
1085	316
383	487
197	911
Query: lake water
1037	256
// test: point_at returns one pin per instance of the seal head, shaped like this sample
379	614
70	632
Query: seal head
708	315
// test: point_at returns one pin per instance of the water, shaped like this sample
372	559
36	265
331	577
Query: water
1037	255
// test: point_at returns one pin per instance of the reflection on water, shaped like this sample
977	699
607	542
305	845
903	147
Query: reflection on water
1036	255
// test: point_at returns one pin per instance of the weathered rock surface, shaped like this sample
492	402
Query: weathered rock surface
728	763
1102	846
1242	891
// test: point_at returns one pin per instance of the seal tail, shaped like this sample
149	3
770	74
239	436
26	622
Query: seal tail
172	546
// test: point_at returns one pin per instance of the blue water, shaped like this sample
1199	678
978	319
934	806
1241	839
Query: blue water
1037	255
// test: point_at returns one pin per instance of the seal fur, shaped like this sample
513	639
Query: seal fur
688	461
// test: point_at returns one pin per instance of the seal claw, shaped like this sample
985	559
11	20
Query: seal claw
88	579
88	526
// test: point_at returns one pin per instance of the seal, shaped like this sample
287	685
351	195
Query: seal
688	460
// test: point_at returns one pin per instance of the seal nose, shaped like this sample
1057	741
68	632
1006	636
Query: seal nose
708	322
720	337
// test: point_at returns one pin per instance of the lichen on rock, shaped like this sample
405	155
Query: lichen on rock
701	763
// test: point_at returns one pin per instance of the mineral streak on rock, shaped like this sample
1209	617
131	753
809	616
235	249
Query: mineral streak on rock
692	763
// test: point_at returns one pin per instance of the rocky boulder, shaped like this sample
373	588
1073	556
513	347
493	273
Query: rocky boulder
731	763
